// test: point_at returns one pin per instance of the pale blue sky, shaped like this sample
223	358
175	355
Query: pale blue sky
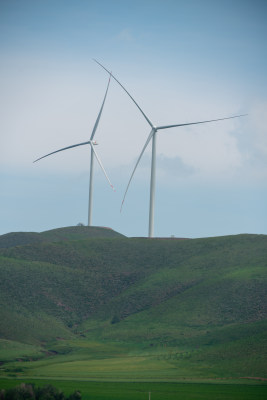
182	61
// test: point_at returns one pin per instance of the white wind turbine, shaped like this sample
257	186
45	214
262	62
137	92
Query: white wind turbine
92	143
153	136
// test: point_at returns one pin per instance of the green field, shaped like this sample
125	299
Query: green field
158	391
83	359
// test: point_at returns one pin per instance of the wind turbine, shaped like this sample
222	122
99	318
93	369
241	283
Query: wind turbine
92	143
153	135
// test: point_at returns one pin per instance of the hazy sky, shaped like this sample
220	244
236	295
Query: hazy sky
182	61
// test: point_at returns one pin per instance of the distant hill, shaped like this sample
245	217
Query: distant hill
202	301
69	233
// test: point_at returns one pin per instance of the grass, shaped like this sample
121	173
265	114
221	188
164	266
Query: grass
69	233
84	359
158	391
11	350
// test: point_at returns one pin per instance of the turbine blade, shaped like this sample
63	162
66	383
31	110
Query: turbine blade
64	148
100	112
146	117
102	167
200	122
137	162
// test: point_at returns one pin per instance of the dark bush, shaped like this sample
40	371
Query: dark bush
31	392
115	319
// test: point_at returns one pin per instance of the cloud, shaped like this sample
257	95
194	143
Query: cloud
258	127
252	144
42	112
167	167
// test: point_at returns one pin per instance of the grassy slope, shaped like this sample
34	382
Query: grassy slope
182	308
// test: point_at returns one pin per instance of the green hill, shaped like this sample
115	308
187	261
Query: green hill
134	308
69	233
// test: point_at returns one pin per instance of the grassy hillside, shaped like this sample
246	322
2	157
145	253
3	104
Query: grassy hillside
126	308
69	233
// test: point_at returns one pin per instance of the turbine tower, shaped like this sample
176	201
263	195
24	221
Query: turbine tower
153	136
92	143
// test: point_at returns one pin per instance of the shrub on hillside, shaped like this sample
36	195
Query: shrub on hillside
31	392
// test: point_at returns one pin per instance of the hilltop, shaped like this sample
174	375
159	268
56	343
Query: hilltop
180	307
68	233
